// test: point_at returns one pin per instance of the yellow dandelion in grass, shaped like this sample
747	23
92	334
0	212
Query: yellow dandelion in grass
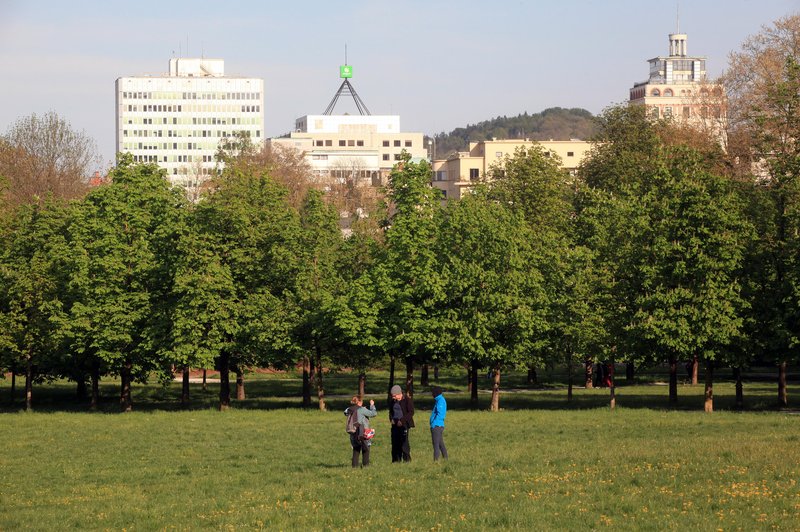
605	520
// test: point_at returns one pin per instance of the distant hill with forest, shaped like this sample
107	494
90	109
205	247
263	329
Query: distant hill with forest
555	123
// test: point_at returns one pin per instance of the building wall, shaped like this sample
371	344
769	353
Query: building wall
454	176
345	146
177	120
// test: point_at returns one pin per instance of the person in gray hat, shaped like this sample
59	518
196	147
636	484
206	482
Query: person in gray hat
401	416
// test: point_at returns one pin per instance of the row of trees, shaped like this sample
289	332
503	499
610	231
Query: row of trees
664	247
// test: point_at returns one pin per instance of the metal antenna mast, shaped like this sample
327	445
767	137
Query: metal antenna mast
346	72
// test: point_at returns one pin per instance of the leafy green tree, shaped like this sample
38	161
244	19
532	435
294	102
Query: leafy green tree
495	305
124	251
408	269
32	285
763	83
239	262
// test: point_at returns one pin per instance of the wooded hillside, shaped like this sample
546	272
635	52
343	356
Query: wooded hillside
555	123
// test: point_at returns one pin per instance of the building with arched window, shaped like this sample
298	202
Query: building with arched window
678	88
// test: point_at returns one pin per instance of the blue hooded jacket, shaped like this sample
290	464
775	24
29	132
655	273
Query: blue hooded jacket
439	411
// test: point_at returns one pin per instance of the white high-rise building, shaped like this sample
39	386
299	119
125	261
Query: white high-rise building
178	119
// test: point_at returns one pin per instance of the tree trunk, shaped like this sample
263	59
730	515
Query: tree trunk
673	380
695	370
410	377
95	401
125	401
318	375
709	402
423	376
391	378
13	384
495	390
737	375
306	382
240	396
589	369
362	384
205	385
436	373
29	384
569	377
224	381
473	374
185	387
630	372
532	377
783	397
612	386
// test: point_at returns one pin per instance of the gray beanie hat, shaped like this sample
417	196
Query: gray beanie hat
396	390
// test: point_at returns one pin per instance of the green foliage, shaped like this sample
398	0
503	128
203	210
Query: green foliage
554	123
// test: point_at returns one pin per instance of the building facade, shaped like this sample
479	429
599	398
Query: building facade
363	148
677	88
457	174
178	119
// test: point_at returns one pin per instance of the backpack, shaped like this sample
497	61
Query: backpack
352	426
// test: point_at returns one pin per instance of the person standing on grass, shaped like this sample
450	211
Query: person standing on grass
357	442
437	423
401	415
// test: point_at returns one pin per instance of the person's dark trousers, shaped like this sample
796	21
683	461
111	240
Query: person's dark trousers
401	450
437	436
359	447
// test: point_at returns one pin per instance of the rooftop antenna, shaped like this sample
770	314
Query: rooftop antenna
346	72
678	16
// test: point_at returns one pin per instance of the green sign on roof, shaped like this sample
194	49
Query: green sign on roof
345	71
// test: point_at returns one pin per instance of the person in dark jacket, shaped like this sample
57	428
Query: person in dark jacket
401	416
437	423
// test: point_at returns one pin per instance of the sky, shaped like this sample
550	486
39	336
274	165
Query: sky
439	64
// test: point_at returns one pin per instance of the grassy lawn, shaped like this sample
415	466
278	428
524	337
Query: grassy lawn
539	464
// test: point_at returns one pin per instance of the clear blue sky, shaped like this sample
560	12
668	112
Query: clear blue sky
439	64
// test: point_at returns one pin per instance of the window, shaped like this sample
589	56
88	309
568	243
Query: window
655	92
408	144
351	142
386	157
342	143
687	112
397	143
668	92
667	112
329	143
570	154
318	143
398	157
654	112
359	143
385	143
474	173
498	154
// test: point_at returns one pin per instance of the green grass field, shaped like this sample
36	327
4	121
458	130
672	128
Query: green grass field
539	464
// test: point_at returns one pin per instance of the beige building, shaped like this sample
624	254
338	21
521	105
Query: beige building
462	170
363	148
677	88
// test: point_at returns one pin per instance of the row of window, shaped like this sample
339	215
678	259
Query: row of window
192	95
212	121
173	159
159	133
356	142
194	108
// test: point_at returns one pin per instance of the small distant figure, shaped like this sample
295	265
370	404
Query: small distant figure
357	423
437	423
401	415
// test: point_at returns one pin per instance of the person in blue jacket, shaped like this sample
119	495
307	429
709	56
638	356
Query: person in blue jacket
437	423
